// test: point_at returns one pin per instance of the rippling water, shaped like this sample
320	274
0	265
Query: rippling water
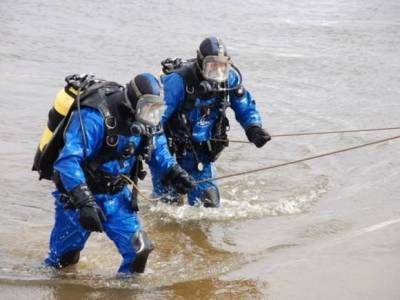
324	229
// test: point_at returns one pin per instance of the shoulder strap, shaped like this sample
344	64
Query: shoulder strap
99	102
191	80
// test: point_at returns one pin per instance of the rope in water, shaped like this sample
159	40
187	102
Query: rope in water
271	167
301	160
314	133
134	185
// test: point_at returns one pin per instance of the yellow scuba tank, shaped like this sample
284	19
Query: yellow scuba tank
52	140
60	109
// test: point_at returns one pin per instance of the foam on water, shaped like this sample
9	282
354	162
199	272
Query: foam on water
238	208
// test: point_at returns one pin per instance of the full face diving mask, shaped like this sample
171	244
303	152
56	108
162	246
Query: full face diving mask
149	110
216	67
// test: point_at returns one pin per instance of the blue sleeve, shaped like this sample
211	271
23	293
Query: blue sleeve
174	94
69	161
245	106
161	158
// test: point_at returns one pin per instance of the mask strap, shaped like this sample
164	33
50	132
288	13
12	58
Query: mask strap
135	88
128	103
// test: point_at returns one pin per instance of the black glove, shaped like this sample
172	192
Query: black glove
179	179
90	215
257	136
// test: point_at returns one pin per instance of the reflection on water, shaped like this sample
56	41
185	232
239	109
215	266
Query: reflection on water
183	251
201	289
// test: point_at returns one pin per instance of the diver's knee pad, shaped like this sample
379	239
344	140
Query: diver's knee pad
210	197
143	246
69	258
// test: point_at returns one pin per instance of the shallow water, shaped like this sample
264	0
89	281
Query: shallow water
321	229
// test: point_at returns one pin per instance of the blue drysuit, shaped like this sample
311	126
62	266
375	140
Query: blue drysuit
122	222
174	94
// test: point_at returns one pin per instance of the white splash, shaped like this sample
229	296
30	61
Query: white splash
237	208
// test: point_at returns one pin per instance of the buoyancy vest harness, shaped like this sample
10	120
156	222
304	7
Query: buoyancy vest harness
178	129
109	99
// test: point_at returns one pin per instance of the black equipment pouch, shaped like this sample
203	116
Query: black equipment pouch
220	139
178	133
101	183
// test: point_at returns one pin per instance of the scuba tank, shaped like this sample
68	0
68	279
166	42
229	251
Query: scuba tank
78	86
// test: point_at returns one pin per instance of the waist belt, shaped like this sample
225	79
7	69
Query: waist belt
100	183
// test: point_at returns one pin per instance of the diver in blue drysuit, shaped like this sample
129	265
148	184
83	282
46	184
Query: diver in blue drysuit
104	202
196	93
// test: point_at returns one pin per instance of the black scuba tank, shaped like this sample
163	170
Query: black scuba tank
52	137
